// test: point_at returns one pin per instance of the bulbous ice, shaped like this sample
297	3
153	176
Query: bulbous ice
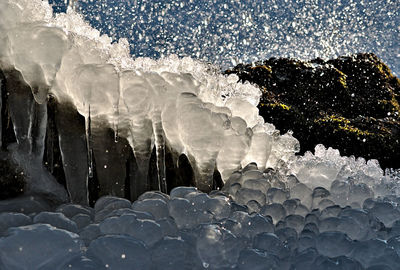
223	229
37	51
326	165
179	104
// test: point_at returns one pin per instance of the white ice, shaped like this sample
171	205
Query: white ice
178	103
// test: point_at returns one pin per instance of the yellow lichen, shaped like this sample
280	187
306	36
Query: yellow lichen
276	104
395	104
344	124
333	118
352	129
384	70
343	81
342	78
267	68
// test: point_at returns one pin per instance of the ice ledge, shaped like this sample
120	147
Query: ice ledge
178	104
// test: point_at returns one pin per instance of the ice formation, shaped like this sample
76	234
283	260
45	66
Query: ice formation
317	211
181	104
259	220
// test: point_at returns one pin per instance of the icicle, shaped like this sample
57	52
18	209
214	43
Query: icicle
38	130
2	88
88	139
142	145
21	107
160	151
115	124
73	147
50	134
116	133
203	173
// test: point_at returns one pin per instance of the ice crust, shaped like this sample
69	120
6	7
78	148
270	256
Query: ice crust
181	104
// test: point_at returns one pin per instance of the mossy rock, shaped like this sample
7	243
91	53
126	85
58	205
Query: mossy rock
350	103
12	179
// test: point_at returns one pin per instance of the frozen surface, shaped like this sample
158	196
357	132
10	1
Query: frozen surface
39	245
276	221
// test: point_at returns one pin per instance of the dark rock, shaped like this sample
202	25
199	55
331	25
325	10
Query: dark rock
12	178
350	103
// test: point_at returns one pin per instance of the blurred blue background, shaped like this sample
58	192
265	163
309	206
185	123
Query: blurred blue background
225	32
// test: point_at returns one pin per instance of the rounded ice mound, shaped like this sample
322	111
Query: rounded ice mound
107	204
217	246
186	214
71	210
147	231
8	220
157	207
325	166
57	220
154	195
191	229
26	205
333	244
172	253
37	63
39	245
256	259
270	243
119	252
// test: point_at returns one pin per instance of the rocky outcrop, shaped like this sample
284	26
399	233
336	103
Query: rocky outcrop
350	103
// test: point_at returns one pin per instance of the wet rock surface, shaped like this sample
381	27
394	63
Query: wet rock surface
350	103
